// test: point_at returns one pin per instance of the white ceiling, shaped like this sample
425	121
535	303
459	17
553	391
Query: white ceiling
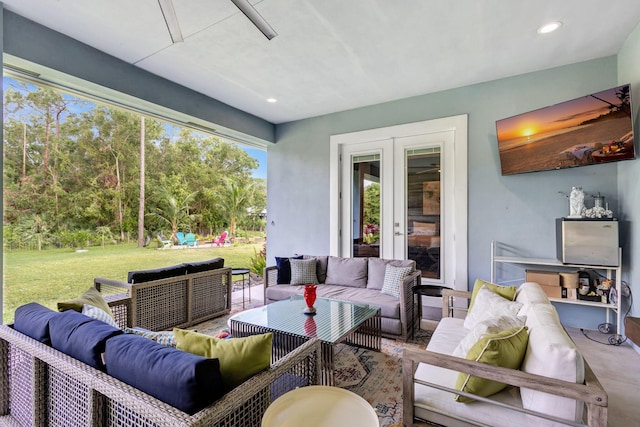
334	55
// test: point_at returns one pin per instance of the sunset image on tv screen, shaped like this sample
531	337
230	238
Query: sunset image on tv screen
592	129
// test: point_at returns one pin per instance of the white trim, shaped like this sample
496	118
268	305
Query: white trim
459	126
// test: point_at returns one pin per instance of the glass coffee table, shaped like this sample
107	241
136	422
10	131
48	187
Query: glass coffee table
334	322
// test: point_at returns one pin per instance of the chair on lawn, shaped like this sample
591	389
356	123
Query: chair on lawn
190	240
181	239
165	244
220	239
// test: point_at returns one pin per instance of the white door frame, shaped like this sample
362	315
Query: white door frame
457	124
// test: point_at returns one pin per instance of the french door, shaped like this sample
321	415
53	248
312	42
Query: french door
397	200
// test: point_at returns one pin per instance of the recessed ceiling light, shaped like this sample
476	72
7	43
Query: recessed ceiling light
550	27
272	100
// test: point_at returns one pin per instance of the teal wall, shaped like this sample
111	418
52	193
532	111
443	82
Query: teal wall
629	172
519	210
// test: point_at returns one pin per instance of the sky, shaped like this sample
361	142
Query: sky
552	118
256	153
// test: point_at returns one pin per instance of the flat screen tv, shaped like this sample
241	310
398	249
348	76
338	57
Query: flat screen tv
593	129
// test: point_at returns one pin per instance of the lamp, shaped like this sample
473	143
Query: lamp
257	19
170	18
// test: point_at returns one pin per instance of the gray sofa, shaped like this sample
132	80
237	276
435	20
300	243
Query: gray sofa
358	280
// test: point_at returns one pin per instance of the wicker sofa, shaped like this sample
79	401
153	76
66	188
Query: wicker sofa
178	296
357	280
552	385
44	386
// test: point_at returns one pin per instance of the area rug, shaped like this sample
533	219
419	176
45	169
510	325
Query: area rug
375	376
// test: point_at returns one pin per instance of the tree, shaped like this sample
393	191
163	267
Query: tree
174	212
234	200
141	206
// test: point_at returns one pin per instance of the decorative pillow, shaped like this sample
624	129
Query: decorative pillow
376	268
284	269
508	292
489	305
484	328
33	320
81	337
505	349
185	381
321	266
92	297
166	338
393	278
240	358
303	271
99	314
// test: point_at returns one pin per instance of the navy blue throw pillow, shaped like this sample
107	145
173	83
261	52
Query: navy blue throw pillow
198	267
284	269
182	380
33	320
81	337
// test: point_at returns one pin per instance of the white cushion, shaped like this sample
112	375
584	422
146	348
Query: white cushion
551	353
488	305
486	327
530	293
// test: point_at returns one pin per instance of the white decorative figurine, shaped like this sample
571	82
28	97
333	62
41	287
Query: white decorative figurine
576	202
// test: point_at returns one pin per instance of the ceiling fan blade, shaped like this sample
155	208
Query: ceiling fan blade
257	19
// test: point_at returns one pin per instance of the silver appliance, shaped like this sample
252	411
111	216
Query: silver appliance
587	241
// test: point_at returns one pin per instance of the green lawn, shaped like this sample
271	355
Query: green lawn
56	275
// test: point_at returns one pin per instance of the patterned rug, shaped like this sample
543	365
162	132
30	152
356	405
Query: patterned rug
376	376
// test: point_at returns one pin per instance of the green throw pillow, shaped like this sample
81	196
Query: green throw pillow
240	358
506	349
91	297
508	292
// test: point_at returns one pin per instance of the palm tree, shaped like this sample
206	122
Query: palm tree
174	212
235	199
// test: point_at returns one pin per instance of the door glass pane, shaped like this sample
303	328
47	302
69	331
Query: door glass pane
423	210
365	205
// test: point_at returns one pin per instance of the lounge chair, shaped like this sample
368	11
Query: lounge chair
164	244
190	240
220	239
181	239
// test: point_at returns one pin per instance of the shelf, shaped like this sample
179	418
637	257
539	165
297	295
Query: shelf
583	302
612	272
549	262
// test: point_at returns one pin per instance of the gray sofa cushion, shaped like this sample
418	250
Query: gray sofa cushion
347	272
377	266
280	292
389	305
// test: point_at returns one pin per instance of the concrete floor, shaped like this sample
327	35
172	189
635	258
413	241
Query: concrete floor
618	370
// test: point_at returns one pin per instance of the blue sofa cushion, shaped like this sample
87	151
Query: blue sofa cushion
81	337
141	276
182	380
33	320
284	269
198	267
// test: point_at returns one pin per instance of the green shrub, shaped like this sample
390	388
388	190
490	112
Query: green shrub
258	261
